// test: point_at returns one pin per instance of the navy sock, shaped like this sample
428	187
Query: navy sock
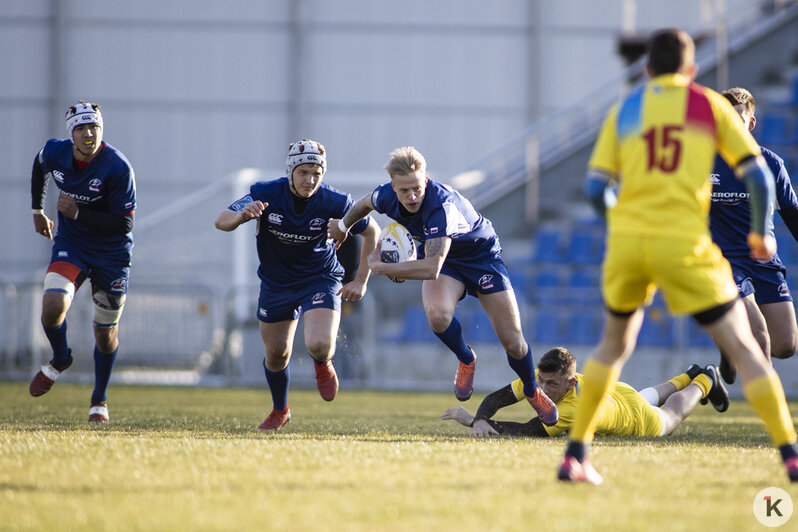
577	449
525	369
103	365
278	385
787	451
58	341
453	338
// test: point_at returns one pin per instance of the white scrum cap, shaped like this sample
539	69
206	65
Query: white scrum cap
83	113
305	152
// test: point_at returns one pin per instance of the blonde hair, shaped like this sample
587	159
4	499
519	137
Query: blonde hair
741	96
406	160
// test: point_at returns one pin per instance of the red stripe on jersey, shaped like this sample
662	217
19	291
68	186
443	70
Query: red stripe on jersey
699	110
66	269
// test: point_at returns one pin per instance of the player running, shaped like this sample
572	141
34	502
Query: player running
761	284
95	219
460	255
659	142
654	411
299	270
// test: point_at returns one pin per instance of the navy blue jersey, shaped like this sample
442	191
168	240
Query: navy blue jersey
730	213
293	248
106	185
444	212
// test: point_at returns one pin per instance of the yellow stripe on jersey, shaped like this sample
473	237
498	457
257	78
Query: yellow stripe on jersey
627	413
660	143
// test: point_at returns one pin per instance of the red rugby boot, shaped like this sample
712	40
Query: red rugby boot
326	380
571	470
464	379
276	420
545	407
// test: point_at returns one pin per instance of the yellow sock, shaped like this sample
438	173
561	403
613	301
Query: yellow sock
680	381
703	382
766	396
597	380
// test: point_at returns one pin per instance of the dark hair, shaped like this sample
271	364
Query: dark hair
670	51
558	360
741	96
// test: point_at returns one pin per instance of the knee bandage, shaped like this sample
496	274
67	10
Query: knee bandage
107	308
55	282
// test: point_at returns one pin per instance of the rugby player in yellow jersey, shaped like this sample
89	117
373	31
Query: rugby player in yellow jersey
658	144
653	411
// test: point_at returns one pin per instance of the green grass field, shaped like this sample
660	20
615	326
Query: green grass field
191	459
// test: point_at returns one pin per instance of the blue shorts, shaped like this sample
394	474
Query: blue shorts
280	304
109	274
765	280
479	277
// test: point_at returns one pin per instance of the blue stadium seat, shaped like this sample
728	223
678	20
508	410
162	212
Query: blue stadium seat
586	247
584	286
415	327
521	285
547	286
584	327
773	130
547	246
658	330
697	336
547	328
479	329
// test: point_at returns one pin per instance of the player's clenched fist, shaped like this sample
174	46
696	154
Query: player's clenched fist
44	225
253	210
762	247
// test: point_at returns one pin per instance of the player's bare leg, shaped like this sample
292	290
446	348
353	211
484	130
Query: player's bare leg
54	309
278	338
600	373
439	297
761	384
321	329
781	325
502	309
759	328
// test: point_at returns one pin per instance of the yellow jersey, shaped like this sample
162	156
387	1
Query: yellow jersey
660	143
625	414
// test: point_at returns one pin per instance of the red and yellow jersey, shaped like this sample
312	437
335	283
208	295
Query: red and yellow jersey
660	143
626	413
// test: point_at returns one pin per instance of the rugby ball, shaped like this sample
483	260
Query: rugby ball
397	245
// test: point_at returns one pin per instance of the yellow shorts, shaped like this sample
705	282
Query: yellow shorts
693	274
643	418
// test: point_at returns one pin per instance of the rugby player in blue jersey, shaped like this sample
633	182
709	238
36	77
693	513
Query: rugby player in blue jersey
760	283
299	271
93	240
460	254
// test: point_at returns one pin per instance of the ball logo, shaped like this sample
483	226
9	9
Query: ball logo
486	281
118	285
772	507
318	298
316	224
94	185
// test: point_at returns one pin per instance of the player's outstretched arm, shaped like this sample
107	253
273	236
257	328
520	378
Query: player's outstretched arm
228	219
356	289
761	188
338	230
